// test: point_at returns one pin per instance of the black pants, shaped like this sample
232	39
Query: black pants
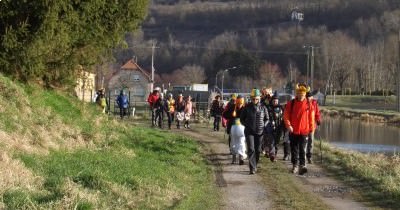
253	149
275	140
309	146
159	118
298	145
123	112
217	120
153	117
170	118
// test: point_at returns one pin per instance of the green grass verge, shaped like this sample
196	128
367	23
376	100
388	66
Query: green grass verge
76	158
162	170
376	177
371	103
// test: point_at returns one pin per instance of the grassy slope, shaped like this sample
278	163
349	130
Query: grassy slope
57	153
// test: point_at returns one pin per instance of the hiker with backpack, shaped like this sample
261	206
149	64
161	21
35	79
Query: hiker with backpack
123	104
216	111
298	119
254	117
317	122
153	97
276	128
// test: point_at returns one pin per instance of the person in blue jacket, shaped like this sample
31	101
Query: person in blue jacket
123	104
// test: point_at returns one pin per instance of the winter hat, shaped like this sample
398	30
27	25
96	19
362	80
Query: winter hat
302	88
234	96
255	93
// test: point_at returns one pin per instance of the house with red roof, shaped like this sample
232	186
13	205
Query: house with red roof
133	79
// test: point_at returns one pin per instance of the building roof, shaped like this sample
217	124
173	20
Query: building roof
132	65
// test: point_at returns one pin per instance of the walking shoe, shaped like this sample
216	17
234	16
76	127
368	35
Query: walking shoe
286	157
272	158
241	161
253	171
233	159
302	170
309	161
295	169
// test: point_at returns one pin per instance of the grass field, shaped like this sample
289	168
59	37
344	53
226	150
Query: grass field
58	153
375	103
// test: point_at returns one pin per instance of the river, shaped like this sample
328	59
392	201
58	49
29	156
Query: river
359	135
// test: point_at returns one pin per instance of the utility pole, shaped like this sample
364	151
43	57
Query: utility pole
152	66
312	68
398	78
308	65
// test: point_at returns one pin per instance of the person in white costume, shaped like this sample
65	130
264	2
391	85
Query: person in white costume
238	142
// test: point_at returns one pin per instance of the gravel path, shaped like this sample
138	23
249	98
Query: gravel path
239	189
243	191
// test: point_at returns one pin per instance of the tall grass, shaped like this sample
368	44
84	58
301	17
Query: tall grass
375	176
62	154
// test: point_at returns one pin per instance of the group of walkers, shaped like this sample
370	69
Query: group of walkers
179	109
259	126
122	102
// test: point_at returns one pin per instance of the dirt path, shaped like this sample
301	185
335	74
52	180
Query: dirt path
239	189
243	191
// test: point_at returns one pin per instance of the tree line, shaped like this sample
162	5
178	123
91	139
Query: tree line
47	40
356	42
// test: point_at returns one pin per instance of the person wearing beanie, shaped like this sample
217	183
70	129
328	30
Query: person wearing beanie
231	114
275	129
298	119
317	122
254	117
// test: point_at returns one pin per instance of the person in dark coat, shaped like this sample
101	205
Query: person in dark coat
161	107
216	111
276	129
254	117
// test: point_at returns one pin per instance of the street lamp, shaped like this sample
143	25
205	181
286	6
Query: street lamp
222	84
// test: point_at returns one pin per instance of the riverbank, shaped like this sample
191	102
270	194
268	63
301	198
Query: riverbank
368	115
375	177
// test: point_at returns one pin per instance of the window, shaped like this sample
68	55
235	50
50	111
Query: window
136	78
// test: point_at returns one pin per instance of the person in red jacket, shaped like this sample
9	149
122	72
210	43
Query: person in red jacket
317	122
152	99
299	121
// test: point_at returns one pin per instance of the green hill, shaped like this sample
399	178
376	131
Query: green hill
58	153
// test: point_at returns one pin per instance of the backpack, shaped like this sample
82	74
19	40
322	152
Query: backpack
103	102
124	101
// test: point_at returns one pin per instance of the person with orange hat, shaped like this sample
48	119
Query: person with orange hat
298	119
254	117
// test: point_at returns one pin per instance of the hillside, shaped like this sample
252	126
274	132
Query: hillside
349	38
58	153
